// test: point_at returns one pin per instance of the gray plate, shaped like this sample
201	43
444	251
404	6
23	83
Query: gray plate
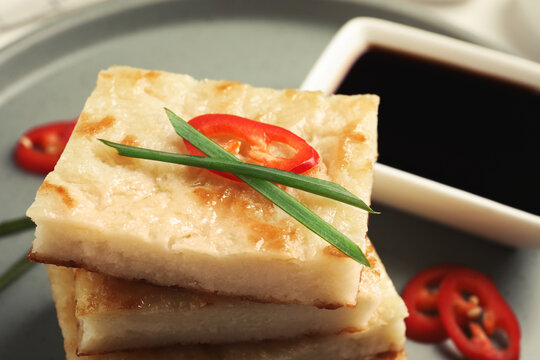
48	75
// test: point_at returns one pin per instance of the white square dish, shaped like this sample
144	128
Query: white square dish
416	194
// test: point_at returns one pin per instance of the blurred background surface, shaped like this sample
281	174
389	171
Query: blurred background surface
511	25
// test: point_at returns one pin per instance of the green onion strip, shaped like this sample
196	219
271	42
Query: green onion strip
307	183
17	269
11	226
22	265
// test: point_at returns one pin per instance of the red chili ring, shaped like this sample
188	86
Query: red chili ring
471	330
255	139
420	296
39	149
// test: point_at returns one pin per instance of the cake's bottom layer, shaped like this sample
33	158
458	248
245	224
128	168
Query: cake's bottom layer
383	339
116	314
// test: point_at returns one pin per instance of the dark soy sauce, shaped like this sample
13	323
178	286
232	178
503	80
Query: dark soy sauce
473	132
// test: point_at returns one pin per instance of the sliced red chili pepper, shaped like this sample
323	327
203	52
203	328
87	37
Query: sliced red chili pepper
420	296
471	328
39	149
255	142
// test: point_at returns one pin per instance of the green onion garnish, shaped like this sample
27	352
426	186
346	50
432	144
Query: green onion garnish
11	226
307	183
262	181
17	269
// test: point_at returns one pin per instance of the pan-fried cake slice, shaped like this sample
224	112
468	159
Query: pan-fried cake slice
383	337
115	314
176	225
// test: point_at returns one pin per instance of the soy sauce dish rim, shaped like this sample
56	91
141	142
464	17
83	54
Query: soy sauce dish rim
412	193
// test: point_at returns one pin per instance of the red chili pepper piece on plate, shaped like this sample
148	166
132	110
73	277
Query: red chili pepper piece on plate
420	296
255	142
39	149
472	329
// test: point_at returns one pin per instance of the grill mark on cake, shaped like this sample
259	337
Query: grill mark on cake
60	190
92	128
349	131
224	86
359	137
130	140
152	75
248	205
234	200
372	258
367	166
111	157
105	75
290	93
345	158
109	293
273	237
331	250
347	140
134	75
240	203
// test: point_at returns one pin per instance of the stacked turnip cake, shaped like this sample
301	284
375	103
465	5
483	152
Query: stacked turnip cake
150	260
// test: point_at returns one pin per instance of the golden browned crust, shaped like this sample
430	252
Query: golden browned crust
130	140
150	75
92	128
333	251
273	237
133	76
35	257
50	188
247	204
225	85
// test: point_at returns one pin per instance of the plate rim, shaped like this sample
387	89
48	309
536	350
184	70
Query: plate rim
57	23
